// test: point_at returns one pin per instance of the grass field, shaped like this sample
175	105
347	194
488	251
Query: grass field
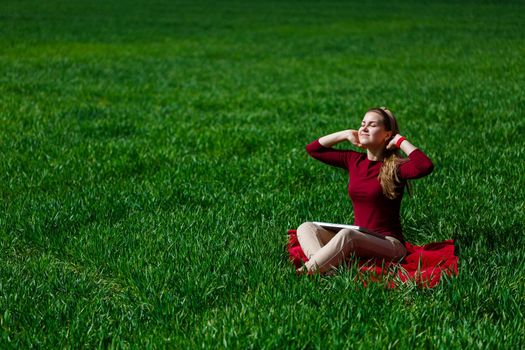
153	159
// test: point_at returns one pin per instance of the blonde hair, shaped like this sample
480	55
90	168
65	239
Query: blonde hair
388	174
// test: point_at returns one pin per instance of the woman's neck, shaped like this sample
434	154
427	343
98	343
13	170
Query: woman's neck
374	154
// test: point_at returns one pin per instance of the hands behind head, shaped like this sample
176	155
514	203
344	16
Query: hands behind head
392	143
353	138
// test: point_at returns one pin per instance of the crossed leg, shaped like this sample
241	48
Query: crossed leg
326	249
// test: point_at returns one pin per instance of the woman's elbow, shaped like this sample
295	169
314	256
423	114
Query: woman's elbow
308	148
428	168
311	150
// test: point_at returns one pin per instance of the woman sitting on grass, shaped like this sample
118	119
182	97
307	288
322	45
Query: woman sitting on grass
377	181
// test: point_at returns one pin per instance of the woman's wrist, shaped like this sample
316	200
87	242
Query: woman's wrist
399	140
396	142
403	144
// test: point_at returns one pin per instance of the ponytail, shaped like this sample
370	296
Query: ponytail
388	175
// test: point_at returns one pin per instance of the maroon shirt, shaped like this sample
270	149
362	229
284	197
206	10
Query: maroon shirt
372	209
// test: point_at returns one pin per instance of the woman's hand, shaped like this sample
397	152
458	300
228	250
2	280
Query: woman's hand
393	141
353	138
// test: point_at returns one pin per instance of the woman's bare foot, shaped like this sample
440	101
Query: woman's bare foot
301	270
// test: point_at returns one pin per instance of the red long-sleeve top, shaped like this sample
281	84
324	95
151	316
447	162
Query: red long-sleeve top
372	209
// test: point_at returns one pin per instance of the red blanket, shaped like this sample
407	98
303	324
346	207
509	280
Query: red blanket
422	265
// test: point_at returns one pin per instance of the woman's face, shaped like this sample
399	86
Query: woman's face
372	132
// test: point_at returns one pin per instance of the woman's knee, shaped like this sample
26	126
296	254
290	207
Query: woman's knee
400	249
306	228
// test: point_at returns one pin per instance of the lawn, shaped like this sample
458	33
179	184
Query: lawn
153	159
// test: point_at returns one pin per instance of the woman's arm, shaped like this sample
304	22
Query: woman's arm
321	150
418	165
340	136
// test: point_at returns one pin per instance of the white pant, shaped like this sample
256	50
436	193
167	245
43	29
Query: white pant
326	249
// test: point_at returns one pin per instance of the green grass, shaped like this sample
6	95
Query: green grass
153	158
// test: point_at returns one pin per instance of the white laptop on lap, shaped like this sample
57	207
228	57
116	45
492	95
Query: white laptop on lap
336	227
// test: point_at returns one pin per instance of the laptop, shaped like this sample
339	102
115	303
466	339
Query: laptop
337	227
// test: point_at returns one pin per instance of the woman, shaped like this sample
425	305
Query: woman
377	181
